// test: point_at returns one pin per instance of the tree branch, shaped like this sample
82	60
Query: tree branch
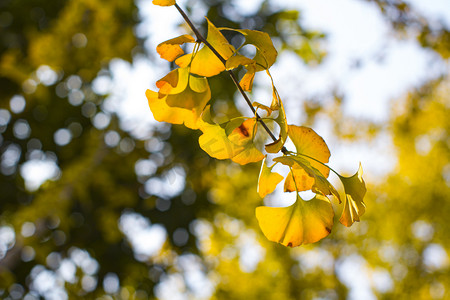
200	38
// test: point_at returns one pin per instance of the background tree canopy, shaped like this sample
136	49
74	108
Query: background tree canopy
133	212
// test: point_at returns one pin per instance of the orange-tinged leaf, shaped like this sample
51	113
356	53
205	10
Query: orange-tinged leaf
244	133
268	180
354	206
303	173
237	146
304	222
205	62
164	2
309	143
169	83
298	180
170	49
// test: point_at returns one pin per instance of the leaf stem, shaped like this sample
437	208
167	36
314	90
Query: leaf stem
200	38
331	169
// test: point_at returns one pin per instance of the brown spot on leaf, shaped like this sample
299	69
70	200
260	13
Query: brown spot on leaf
243	130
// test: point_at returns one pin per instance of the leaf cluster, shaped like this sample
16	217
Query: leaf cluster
184	98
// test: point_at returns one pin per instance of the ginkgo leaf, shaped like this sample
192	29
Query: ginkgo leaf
184	90
266	53
306	177
258	105
239	60
164	2
310	144
277	104
237	145
175	115
205	62
247	81
268	180
169	50
304	222
354	206
181	99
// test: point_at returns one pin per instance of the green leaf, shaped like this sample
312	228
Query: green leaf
266	53
205	62
268	180
304	222
355	190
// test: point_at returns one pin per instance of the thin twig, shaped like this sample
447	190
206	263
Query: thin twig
200	38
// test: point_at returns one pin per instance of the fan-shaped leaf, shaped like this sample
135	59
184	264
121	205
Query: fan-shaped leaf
181	99
354	206
170	49
205	62
303	222
266	53
268	180
306	177
237	145
309	143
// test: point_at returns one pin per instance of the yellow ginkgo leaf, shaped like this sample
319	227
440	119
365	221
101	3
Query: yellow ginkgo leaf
306	177
169	83
164	2
237	145
169	50
181	89
258	105
268	180
266	53
277	104
304	222
181	99
354	206
205	62
175	115
239	60
307	142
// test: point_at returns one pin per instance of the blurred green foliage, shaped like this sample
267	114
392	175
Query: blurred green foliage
72	229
